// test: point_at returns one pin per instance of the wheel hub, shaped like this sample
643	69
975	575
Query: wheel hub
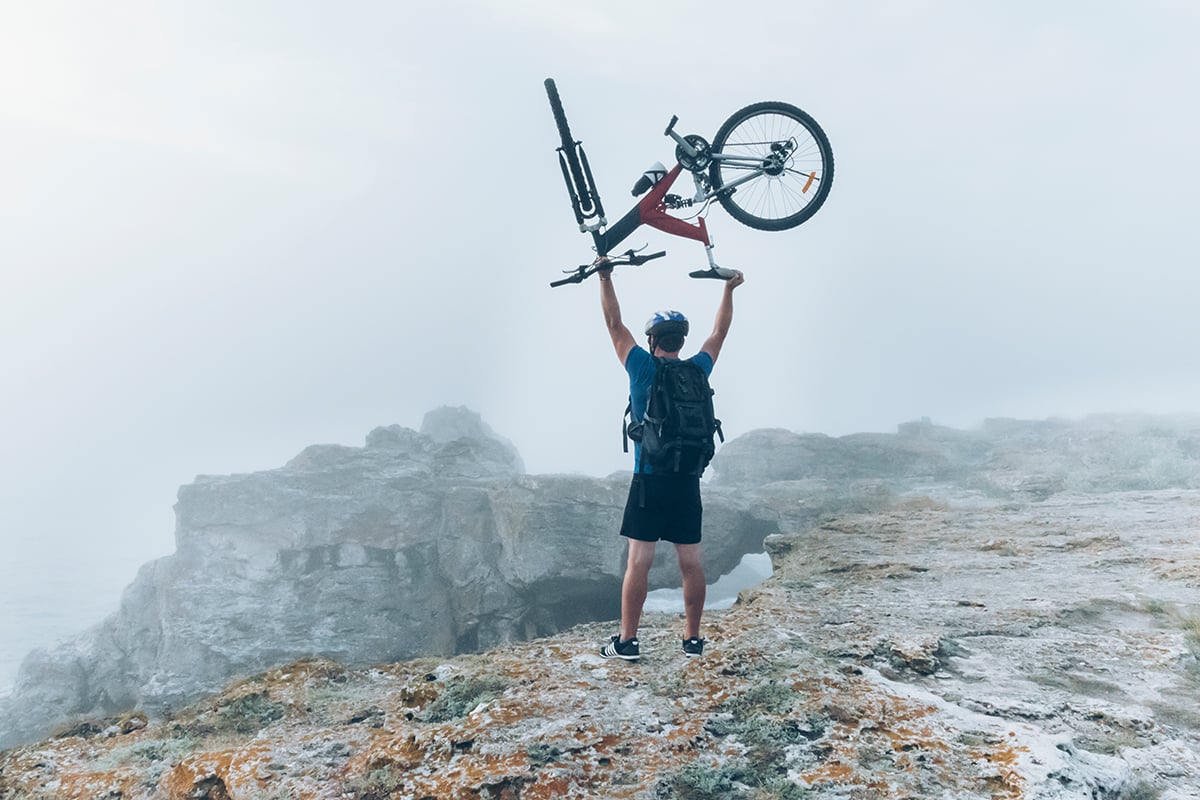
776	163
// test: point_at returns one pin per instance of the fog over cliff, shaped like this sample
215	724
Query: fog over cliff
228	232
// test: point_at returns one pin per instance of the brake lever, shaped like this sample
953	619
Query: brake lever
637	260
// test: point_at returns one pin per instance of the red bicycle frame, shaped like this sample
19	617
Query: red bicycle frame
651	210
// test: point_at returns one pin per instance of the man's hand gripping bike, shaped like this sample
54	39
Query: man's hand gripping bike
770	166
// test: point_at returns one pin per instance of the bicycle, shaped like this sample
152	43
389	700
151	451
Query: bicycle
770	167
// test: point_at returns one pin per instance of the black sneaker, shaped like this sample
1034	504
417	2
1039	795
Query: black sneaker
627	650
693	647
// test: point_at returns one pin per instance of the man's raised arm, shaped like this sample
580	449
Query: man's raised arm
622	339
712	345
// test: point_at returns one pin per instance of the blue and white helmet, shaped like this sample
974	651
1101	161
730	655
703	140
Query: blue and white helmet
667	322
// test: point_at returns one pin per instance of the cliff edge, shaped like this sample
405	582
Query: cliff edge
952	646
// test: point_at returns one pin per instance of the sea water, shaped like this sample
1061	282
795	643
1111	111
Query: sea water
42	604
752	570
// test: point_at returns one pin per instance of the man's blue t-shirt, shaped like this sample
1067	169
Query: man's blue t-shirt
641	367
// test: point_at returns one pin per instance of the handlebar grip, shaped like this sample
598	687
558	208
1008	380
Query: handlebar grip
577	276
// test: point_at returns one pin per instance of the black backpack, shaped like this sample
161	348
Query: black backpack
677	432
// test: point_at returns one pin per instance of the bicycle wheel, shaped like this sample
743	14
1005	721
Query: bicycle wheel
580	193
772	166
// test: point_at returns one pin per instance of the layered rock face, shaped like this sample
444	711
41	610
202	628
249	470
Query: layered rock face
430	542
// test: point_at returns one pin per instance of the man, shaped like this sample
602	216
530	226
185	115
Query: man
666	506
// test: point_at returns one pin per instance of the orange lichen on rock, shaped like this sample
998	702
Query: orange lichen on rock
236	770
384	748
1004	758
835	770
910	737
88	785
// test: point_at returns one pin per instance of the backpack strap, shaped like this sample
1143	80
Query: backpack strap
625	420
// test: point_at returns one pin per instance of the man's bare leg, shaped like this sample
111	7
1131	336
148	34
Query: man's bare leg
634	587
691	567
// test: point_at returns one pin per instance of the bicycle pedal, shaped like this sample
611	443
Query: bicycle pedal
717	273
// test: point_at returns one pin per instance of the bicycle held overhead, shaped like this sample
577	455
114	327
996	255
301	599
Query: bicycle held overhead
770	166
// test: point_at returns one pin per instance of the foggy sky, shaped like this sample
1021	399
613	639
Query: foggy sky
229	231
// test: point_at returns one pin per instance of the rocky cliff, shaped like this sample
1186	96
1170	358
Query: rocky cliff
437	542
418	543
953	646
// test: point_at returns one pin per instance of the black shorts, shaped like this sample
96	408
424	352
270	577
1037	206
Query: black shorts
663	507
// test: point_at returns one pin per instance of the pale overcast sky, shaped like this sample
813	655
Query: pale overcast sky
230	230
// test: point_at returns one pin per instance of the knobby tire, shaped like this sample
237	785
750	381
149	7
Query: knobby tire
773	203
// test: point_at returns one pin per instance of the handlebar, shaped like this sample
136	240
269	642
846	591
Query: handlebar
629	257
